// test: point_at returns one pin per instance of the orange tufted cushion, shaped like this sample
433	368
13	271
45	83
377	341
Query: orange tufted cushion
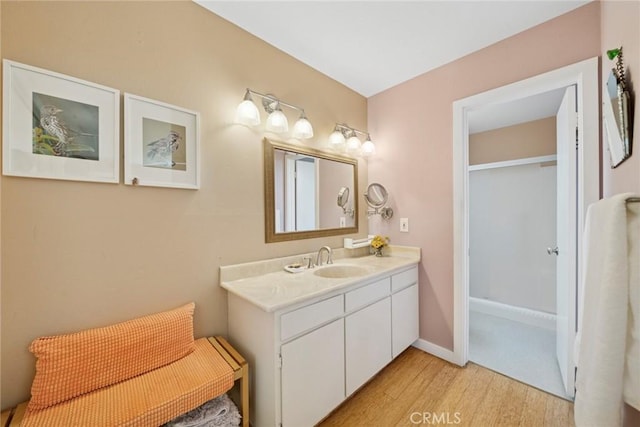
74	364
147	400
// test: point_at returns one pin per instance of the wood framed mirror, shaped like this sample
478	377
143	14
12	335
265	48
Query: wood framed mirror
300	189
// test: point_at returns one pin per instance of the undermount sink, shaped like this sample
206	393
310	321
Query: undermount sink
340	271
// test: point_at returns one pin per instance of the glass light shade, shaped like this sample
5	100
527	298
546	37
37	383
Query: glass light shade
277	122
353	144
336	138
368	149
247	113
302	129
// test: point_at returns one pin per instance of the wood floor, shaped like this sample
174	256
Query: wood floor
420	389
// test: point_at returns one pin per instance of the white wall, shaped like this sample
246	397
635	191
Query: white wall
512	222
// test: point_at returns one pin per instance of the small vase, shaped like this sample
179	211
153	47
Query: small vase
377	251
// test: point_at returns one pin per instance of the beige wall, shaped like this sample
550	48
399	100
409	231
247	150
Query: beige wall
530	139
620	26
412	124
78	255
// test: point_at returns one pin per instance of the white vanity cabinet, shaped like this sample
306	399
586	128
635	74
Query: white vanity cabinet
404	310
367	333
312	375
306	358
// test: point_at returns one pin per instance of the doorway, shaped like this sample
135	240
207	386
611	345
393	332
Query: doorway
513	216
584	180
299	199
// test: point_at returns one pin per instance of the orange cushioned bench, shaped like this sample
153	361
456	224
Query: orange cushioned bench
110	376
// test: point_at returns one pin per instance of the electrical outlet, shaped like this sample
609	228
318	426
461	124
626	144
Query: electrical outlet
404	225
343	222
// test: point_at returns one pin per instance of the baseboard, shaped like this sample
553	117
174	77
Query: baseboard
436	350
511	312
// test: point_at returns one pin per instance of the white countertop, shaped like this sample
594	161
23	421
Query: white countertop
271	290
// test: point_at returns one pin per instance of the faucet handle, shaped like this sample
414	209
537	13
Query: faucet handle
309	261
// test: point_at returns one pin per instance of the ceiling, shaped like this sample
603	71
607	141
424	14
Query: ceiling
370	46
522	110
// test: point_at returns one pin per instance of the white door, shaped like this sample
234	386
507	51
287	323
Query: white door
566	279
290	193
306	194
313	375
368	343
404	319
301	193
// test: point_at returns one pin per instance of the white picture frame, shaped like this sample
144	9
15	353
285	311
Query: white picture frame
59	127
161	144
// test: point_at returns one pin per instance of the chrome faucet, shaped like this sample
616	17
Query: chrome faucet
319	257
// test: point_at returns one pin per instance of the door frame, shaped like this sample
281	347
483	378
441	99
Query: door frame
584	75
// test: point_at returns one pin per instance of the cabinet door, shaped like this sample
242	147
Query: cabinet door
368	343
404	318
313	375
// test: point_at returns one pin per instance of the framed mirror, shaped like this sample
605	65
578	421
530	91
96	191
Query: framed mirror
301	189
616	111
616	120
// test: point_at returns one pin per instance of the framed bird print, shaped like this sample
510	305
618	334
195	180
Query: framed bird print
59	127
161	144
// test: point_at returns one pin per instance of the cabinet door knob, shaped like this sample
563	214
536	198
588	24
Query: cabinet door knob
552	251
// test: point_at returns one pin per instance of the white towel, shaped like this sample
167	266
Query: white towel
631	391
606	316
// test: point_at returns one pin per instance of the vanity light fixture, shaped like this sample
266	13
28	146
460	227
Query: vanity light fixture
276	122
247	114
343	133
336	137
368	148
303	129
353	143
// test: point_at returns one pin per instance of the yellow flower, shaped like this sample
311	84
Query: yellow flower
379	242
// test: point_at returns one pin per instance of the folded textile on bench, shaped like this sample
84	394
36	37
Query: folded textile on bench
218	412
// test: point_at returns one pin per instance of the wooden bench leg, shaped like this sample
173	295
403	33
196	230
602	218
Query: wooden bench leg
240	372
244	392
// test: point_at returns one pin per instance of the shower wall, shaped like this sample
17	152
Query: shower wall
511	223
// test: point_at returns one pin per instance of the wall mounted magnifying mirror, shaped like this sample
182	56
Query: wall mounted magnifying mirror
300	192
616	111
343	199
377	197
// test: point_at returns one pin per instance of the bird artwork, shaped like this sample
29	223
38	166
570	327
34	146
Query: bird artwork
55	126
55	137
164	146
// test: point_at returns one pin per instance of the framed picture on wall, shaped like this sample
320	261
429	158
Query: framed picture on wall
161	143
59	127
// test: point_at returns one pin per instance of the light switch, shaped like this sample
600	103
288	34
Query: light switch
343	222
404	225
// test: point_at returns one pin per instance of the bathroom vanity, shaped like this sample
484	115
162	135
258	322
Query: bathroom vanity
313	338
